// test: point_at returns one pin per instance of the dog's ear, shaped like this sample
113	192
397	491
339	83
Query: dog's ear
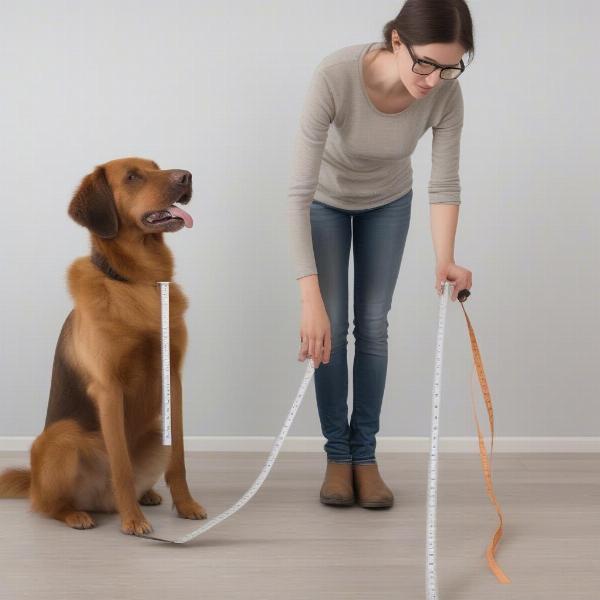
93	205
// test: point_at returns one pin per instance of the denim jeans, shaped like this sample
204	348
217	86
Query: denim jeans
378	236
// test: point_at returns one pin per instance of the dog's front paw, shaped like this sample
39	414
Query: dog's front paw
79	520
136	526
190	509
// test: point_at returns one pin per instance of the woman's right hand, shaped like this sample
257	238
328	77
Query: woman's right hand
315	331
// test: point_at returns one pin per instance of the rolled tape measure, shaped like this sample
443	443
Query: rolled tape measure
432	484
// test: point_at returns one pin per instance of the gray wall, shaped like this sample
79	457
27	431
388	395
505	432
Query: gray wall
217	88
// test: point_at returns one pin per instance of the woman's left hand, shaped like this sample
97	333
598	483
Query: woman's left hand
459	276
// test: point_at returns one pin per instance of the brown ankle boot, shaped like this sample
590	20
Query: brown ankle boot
337	487
370	489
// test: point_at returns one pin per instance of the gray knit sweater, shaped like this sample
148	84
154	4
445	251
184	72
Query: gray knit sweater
350	155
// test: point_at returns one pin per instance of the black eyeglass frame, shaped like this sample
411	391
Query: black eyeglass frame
428	62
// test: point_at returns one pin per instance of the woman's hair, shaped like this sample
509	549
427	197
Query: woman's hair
422	22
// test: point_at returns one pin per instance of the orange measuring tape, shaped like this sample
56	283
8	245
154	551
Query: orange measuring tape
485	463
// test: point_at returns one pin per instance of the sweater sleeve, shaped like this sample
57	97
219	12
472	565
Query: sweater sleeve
317	114
444	184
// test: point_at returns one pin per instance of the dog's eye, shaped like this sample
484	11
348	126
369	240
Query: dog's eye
132	176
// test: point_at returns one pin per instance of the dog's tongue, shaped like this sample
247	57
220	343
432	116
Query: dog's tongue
177	212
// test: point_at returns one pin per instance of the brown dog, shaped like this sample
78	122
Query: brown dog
101	448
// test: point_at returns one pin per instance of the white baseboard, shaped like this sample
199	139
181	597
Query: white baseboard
384	444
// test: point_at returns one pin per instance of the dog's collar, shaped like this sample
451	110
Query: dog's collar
102	263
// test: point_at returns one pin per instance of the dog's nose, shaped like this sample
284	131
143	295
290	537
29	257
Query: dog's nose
181	177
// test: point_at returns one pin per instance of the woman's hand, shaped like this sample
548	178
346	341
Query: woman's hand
459	276
315	332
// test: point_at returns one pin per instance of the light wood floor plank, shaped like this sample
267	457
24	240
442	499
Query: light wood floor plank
285	545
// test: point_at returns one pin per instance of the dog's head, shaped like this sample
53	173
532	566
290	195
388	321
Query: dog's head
132	193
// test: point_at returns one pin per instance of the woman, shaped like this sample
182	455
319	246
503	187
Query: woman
365	111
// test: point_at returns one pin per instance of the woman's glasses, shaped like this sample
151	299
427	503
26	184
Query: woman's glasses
426	67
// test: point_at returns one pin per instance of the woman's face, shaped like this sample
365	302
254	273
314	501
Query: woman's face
442	54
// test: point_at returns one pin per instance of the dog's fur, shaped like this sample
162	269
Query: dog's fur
101	448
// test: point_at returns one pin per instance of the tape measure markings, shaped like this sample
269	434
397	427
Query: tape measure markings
432	477
263	474
432	484
166	362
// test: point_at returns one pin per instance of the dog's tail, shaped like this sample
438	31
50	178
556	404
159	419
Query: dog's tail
15	483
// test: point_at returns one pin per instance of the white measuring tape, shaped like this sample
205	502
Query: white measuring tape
431	566
310	369
166	362
432	479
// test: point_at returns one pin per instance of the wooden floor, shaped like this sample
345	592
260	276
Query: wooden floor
285	545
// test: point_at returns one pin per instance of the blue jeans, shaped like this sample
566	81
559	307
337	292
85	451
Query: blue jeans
378	236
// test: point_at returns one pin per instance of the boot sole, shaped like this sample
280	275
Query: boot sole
336	501
376	504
